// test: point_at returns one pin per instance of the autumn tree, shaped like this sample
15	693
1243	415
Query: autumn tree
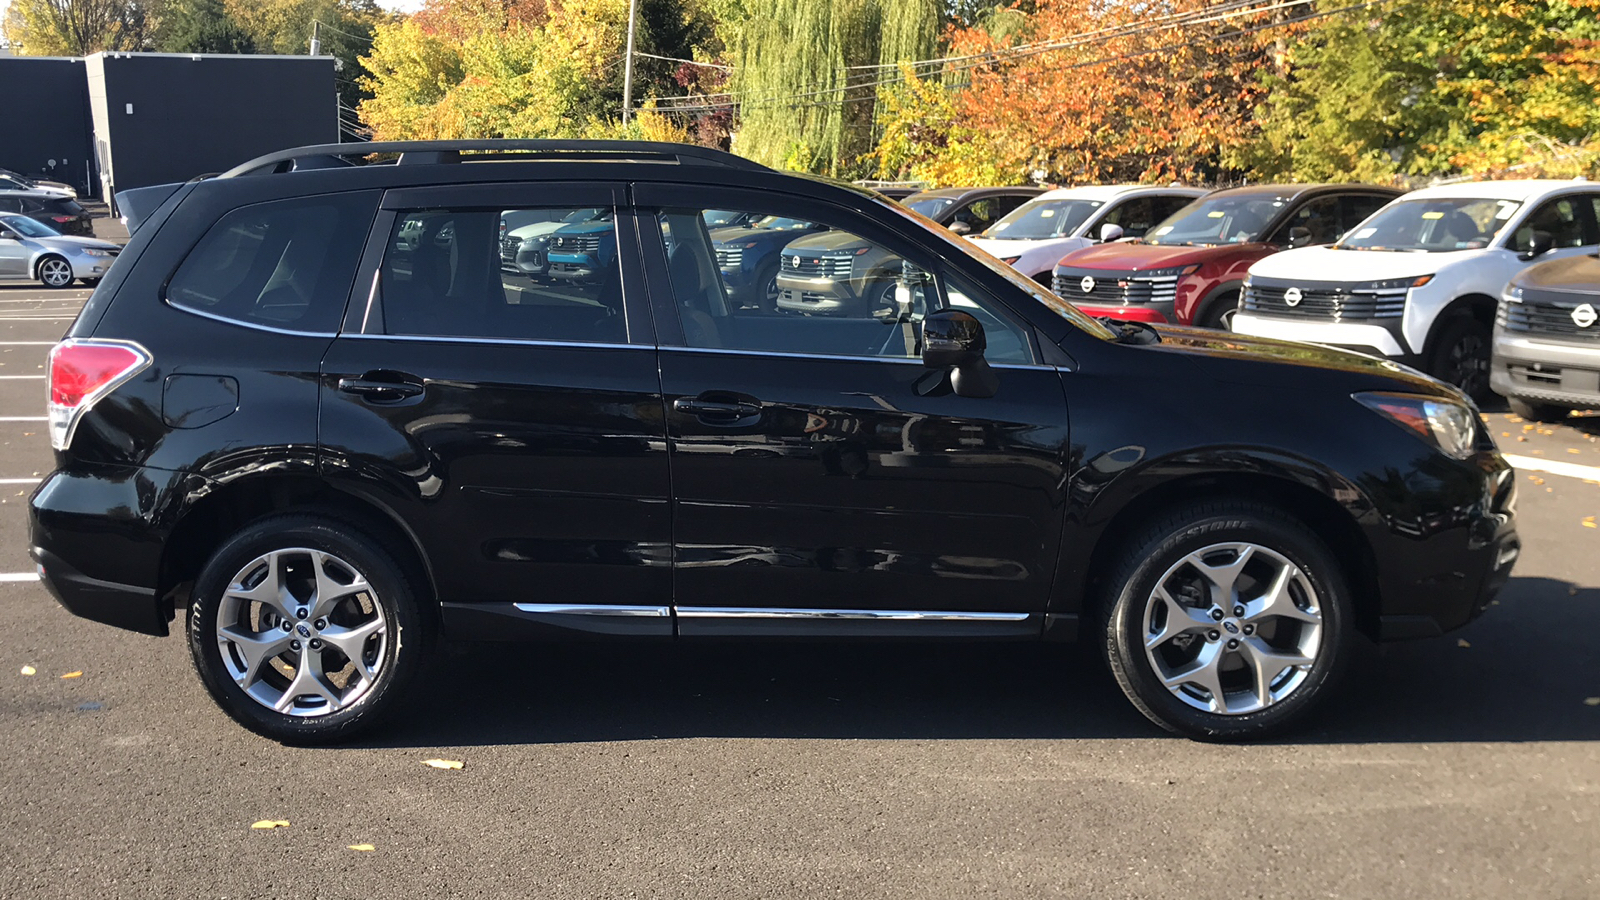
201	26
78	27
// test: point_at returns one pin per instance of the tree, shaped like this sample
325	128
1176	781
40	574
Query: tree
201	26
78	27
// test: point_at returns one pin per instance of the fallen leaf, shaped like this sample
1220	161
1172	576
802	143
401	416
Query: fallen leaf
1536	479
29	670
73	675
1573	450
1527	428
1591	701
362	848
266	824
1462	642
1505	434
1521	439
443	763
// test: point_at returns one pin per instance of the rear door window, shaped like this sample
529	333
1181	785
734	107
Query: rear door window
285	264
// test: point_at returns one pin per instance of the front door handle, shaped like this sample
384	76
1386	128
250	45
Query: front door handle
387	387
717	410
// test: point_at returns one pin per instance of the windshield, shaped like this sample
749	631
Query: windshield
1055	304
1235	219
1041	219
1434	225
719	218
581	215
781	223
931	206
28	227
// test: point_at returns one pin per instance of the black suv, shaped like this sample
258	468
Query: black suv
331	447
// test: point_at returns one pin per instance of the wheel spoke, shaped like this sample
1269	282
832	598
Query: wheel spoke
330	592
1180	619
1278	601
256	648
1222	577
308	679
351	641
1203	672
270	591
1266	663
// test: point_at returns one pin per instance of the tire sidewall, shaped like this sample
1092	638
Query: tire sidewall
394	593
1125	627
1451	331
39	271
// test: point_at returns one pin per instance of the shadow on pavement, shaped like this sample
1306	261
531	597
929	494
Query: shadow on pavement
1530	665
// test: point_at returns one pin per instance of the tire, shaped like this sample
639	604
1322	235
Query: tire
1219	314
382	624
54	272
89	282
1311	621
1461	356
1537	412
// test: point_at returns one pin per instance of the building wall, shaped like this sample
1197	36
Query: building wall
44	115
162	118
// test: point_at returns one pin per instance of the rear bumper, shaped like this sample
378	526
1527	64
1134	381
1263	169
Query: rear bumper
123	605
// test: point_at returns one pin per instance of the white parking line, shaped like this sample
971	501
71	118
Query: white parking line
19	481
28	343
1554	467
19	576
23	419
16	377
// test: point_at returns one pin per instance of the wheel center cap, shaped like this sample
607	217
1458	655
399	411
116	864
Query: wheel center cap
1231	626
304	629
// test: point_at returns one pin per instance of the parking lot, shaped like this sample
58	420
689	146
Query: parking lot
1467	766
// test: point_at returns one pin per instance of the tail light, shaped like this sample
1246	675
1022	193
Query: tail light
63	218
82	372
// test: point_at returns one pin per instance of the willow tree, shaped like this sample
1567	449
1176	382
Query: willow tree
807	73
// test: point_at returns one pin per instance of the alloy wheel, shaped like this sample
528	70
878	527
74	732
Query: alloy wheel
55	272
1232	628
301	632
1467	364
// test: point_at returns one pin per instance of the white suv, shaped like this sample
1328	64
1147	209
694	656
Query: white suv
1034	236
1419	280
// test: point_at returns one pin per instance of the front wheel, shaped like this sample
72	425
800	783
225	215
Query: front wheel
1227	621
305	630
55	272
1461	356
1220	315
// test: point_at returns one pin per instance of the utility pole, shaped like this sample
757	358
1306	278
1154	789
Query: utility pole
627	72
316	38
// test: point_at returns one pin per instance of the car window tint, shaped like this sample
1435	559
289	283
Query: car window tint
1134	217
284	264
541	274
814	290
1358	207
10	204
1561	218
1320	219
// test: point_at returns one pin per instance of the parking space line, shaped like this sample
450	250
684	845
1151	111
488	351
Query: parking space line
24	419
16	377
19	576
28	343
1554	467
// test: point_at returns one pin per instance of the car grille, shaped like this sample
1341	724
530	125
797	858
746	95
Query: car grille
508	250
1331	304
1548	315
730	257
818	266
511	250
1114	288
577	243
793	296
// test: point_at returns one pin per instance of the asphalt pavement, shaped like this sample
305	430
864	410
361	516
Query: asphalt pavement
1462	767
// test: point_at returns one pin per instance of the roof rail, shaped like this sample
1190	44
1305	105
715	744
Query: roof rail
450	152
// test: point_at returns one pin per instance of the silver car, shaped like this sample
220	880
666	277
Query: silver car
33	251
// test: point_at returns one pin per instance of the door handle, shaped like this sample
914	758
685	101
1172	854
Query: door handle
721	410
381	390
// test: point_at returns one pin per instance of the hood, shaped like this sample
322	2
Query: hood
1579	274
744	234
586	228
69	242
1121	256
1256	357
1353	266
826	241
1004	248
537	229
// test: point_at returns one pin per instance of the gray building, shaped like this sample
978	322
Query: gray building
47	128
166	117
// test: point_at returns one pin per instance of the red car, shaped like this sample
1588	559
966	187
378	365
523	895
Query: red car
1189	268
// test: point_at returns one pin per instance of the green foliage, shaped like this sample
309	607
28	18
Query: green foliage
201	26
78	27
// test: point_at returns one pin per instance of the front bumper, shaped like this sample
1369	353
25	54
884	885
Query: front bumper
1148	312
1563	374
91	266
1371	339
826	296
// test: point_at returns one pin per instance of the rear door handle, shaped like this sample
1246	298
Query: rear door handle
391	388
720	410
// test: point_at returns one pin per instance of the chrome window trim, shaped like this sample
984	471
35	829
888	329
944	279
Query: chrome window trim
746	612
445	339
243	324
781	354
593	609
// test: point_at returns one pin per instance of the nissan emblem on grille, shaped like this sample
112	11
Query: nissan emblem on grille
1292	297
1584	316
1087	284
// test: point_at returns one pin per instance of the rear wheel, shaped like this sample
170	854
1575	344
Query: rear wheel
54	271
305	630
1226	621
1461	356
1538	412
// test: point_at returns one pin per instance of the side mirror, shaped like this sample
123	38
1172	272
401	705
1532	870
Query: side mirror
1539	243
952	339
1109	233
1299	236
960	227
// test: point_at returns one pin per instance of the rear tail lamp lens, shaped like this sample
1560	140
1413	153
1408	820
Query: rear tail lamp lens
1450	427
82	372
63	218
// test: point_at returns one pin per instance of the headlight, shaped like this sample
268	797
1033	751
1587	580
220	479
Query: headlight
1393	284
90	251
1514	293
1174	272
1010	260
1450	427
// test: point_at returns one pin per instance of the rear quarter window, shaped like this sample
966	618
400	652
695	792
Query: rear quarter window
284	264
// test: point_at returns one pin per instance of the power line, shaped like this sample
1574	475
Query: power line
341	31
691	62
